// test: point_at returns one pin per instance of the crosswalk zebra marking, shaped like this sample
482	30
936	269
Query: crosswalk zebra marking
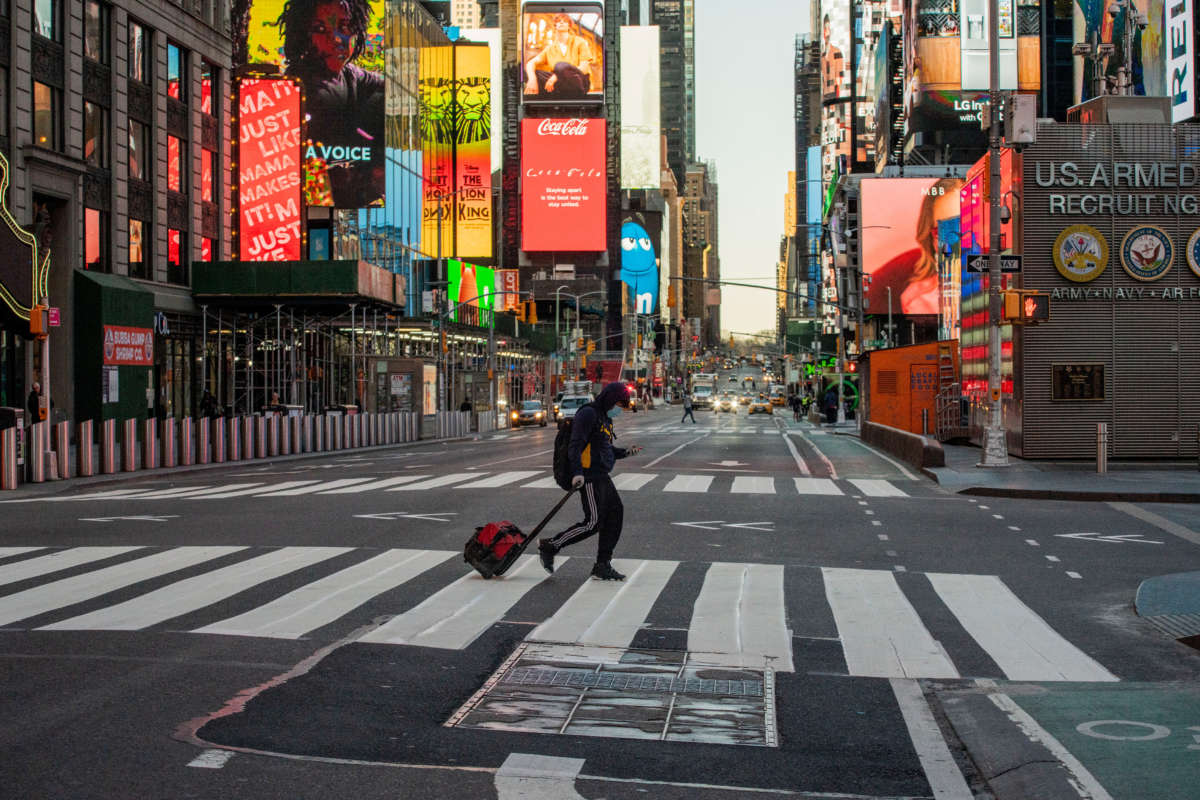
1017	639
689	483
192	594
633	481
542	483
608	613
876	488
54	562
313	488
753	484
457	615
373	485
276	489
323	601
163	494
5	552
499	479
203	492
882	634
739	617
435	483
76	589
817	486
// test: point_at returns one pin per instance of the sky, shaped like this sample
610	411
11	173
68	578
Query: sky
744	107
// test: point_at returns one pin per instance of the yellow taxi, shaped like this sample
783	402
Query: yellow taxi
760	405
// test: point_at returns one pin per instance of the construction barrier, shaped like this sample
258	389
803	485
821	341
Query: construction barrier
8	458
129	446
169	446
62	446
235	439
108	447
85	457
453	424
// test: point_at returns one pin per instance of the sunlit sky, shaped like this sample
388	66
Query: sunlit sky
744	94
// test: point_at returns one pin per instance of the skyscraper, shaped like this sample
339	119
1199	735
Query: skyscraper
676	20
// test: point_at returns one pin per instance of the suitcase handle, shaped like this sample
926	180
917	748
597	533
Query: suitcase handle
550	516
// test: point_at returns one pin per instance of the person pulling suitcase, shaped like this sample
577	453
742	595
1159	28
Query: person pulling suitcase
591	455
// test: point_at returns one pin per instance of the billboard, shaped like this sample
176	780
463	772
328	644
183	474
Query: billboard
562	53
336	51
268	180
1181	78
640	234
641	129
900	220
508	283
563	180
436	83
1151	55
491	37
835	49
471	117
472	292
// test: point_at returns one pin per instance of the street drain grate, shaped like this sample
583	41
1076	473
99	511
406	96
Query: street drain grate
634	694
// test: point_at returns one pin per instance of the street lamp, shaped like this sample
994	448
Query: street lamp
578	310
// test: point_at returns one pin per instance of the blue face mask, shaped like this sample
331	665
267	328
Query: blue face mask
615	412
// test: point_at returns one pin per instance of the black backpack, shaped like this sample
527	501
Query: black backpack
562	463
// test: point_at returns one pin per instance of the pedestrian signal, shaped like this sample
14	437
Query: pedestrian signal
1025	307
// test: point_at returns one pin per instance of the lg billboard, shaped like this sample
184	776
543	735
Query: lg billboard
563	177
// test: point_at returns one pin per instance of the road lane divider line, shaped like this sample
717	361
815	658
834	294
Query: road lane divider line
828	464
943	774
1161	523
804	470
676	450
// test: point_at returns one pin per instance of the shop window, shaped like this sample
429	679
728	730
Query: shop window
95	134
206	249
96	16
207	78
208	163
139	52
95	245
176	73
47	116
139	249
46	20
140	156
175	162
177	271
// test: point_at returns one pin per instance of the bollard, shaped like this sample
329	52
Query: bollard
924	421
83	448
306	423
168	442
320	429
187	441
262	446
272	423
108	446
1101	447
62	445
129	446
219	440
204	440
8	458
150	444
235	439
249	428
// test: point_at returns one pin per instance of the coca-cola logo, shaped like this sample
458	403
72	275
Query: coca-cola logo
562	127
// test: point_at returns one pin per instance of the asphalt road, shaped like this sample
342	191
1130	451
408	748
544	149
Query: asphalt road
308	628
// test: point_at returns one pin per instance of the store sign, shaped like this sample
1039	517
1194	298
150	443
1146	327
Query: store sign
1080	253
269	183
1192	252
563	184
508	284
125	346
1181	78
1134	177
1147	253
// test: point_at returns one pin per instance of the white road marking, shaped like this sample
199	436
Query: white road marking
803	467
1162	523
1032	542
899	568
608	613
633	481
1055	559
229	487
744	484
5	552
543	483
275	489
191	594
111	494
532	777
1013	528
317	487
825	460
76	589
689	483
500	479
326	600
676	450
739	617
882	635
1021	643
940	768
903	469
53	562
454	617
435	483
211	759
175	492
1077	577
816	486
877	488
876	522
373	485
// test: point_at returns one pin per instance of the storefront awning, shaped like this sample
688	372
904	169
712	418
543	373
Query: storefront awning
295	282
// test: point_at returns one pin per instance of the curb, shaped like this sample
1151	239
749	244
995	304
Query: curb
1077	495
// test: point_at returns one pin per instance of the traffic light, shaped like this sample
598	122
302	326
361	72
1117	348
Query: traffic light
579	343
39	320
591	346
531	314
519	311
1025	307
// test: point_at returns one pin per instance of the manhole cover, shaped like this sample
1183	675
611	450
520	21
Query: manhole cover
629	694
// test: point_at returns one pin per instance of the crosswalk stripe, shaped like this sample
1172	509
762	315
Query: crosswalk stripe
373	485
229	487
323	601
882	634
541	483
195	593
164	493
109	495
53	562
458	614
633	481
317	487
753	484
499	479
816	486
68	591
607	613
275	488
5	552
689	483
738	619
877	488
1017	639
434	483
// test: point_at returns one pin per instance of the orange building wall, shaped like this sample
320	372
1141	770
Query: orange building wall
904	381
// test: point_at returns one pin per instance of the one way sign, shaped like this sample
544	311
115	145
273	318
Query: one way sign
1008	264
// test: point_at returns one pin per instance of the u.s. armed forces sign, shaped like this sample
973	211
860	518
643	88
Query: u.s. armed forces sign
1147	253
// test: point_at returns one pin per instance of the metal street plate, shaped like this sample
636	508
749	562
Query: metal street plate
1008	264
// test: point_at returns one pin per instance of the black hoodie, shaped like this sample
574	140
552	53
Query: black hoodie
591	451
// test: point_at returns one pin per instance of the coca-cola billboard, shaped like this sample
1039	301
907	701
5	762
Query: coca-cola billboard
563	182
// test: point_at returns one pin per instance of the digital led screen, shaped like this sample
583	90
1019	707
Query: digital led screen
900	220
562	53
639	259
269	183
336	51
472	292
641	127
563	201
472	122
1106	23
436	82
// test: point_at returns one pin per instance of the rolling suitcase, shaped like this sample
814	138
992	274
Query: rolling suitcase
495	546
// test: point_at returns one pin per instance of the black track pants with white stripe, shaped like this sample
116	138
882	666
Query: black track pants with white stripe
602	514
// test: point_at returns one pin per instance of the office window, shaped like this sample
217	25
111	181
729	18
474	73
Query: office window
95	134
140	151
95	234
47	116
95	30
207	76
206	249
208	163
46	19
176	256
139	256
175	161
139	52
176	73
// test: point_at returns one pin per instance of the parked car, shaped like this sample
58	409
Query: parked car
760	405
531	412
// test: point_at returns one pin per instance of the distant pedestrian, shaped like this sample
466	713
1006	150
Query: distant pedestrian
466	405
831	405
687	409
208	405
34	403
